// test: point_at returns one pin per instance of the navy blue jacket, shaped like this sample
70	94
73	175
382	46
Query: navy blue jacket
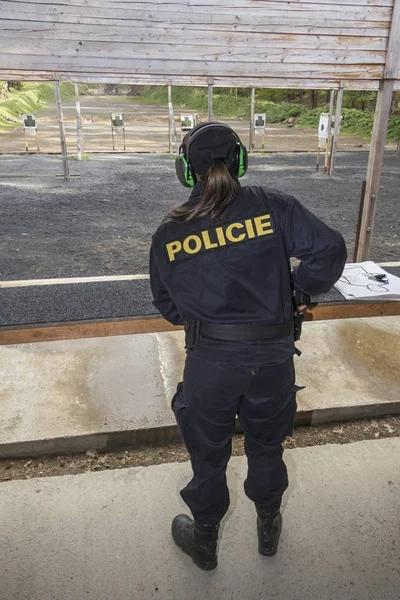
235	269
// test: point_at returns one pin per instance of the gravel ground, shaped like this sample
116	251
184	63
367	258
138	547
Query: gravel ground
339	433
101	224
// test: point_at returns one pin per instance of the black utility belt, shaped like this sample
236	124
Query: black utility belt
241	332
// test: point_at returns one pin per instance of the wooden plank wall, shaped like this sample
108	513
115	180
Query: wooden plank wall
272	43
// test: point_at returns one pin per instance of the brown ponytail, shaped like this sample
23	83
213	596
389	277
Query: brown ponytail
219	189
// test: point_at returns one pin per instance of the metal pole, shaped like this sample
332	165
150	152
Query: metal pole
62	131
123	132
210	101
328	141
79	139
26	140
37	139
251	130
338	116
375	163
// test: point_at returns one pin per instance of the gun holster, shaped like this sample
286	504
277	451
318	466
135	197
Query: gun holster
298	319
192	333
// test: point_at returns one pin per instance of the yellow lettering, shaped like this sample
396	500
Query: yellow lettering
220	235
186	244
172	249
263	225
230	235
250	228
207	242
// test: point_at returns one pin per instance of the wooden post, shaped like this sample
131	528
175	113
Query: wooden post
171	121
328	141
381	121
62	131
79	140
360	214
169	136
338	116
252	110
318	158
26	141
375	162
210	101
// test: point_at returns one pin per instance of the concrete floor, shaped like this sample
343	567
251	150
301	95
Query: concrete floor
75	387
107	535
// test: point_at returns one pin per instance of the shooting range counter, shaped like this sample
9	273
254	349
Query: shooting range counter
104	308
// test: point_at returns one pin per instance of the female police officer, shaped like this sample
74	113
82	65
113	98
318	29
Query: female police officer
220	265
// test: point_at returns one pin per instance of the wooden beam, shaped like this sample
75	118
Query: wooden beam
210	101
188	34
23	334
352	310
375	162
272	82
328	141
172	125
62	131
251	130
83	329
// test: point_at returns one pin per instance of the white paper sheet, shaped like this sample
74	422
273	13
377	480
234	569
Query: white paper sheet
358	282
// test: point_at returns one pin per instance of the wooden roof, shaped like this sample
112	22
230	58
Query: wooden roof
258	43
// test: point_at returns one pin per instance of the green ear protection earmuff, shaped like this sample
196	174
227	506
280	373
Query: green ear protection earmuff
236	160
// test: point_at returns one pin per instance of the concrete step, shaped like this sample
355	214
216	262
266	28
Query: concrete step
107	393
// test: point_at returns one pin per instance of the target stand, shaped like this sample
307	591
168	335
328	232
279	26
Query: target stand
188	122
29	124
259	125
118	127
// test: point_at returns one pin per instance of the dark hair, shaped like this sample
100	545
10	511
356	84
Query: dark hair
219	189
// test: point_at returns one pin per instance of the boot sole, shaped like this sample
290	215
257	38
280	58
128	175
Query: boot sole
208	567
265	552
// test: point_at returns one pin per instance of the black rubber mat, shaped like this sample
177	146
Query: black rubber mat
85	301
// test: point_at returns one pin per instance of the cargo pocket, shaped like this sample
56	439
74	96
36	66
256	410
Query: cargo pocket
293	409
178	401
179	406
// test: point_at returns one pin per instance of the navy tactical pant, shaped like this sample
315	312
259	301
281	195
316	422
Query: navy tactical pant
214	390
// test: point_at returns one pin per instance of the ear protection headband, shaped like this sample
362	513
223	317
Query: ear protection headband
236	161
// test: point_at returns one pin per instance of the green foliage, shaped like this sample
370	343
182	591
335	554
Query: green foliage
227	104
279	112
84	156
355	121
394	128
31	99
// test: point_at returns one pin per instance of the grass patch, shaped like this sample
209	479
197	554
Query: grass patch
85	156
33	98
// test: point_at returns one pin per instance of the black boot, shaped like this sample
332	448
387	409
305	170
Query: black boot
269	527
198	541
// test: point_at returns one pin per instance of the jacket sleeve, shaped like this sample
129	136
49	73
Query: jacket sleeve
161	298
321	250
